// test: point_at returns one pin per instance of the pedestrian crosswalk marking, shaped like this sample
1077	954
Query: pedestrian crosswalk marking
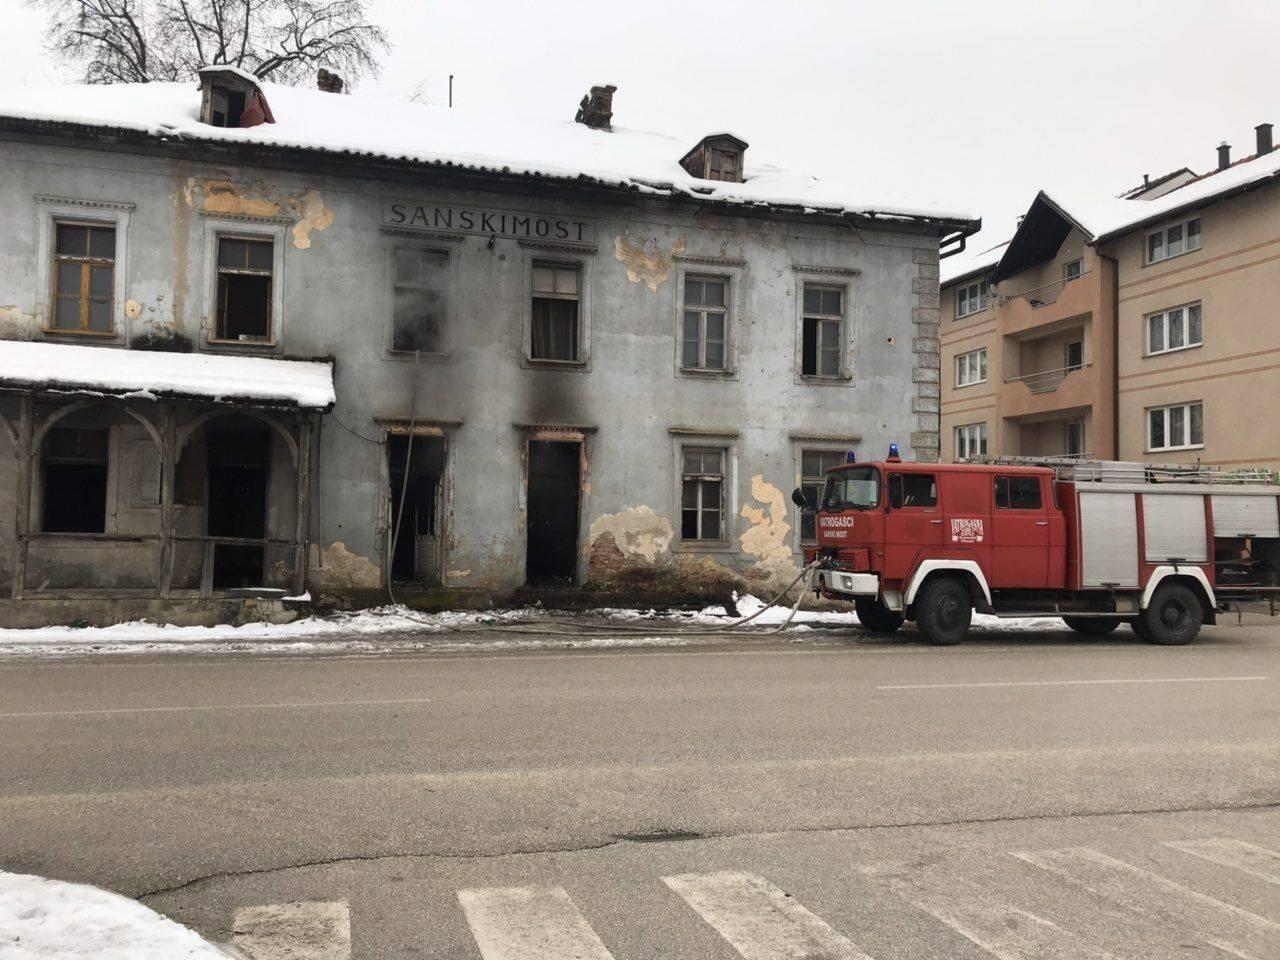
1255	861
530	923
1232	930
312	930
1003	930
758	920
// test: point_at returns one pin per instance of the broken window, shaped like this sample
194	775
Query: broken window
814	465
556	304
84	277
705	323
74	480
244	289
226	106
420	298
723	165
702	493
823	330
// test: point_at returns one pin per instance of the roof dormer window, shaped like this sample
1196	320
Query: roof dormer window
231	97
716	157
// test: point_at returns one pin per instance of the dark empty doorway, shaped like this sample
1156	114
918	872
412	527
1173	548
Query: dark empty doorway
554	474
239	471
416	554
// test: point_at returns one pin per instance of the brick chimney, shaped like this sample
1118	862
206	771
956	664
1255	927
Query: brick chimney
1263	130
596	109
1224	155
328	82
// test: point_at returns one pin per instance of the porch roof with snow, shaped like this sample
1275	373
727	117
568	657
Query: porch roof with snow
360	128
152	374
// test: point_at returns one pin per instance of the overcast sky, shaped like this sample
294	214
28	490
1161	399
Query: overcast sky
974	105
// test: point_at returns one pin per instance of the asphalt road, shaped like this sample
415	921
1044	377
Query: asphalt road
1016	797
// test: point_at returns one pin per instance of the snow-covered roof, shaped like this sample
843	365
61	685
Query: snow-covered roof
73	367
1107	217
362	125
975	258
231	68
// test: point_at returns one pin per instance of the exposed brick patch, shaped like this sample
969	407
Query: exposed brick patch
606	561
926	371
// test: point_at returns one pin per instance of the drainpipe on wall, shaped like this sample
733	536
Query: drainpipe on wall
1115	353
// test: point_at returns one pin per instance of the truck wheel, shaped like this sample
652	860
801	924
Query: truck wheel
1173	618
875	616
943	610
1093	626
1140	630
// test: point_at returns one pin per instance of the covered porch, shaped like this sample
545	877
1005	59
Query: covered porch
156	475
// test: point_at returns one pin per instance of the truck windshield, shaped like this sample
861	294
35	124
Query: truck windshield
853	489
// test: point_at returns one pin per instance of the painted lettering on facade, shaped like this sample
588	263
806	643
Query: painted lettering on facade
501	223
966	530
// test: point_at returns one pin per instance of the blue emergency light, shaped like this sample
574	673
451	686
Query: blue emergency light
893	453
850	457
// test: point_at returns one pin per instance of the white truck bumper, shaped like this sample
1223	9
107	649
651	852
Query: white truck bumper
849	584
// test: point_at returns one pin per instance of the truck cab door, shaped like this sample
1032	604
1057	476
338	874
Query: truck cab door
912	522
1019	534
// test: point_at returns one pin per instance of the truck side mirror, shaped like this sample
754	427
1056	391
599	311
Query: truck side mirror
803	502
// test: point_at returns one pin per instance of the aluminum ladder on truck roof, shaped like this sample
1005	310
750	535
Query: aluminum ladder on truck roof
1127	471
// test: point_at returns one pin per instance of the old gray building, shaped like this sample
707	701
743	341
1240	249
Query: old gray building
604	355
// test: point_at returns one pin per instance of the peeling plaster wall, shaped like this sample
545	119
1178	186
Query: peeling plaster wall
628	392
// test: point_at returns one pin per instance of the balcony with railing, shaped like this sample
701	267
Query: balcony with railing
1050	303
1049	391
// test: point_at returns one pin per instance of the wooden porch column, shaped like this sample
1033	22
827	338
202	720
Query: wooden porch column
301	527
22	513
168	468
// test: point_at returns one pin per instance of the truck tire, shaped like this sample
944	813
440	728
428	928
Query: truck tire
1140	630
1173	618
1092	626
943	610
875	616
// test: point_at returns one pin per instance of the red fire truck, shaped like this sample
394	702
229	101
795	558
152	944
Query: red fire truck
1097	543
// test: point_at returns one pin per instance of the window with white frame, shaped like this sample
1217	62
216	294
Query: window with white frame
1175	329
1074	355
419	298
702	493
557	298
823	333
814	465
971	298
1175	427
705	325
1071	270
1173	240
971	441
971	367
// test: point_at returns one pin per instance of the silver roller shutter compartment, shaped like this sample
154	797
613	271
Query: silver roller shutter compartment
1109	539
1174	527
1243	516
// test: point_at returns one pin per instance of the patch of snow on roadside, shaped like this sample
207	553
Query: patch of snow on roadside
46	919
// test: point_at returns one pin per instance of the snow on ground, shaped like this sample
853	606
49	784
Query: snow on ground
398	627
46	919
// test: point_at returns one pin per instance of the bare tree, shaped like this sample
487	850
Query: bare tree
136	41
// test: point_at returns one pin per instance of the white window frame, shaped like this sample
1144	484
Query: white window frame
970	435
969	361
99	213
1067	275
833	277
709	268
584	263
215	228
974	298
1066	355
1166	413
1183	227
1163	317
728	442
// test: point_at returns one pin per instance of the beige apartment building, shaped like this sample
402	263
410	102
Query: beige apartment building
1136	328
